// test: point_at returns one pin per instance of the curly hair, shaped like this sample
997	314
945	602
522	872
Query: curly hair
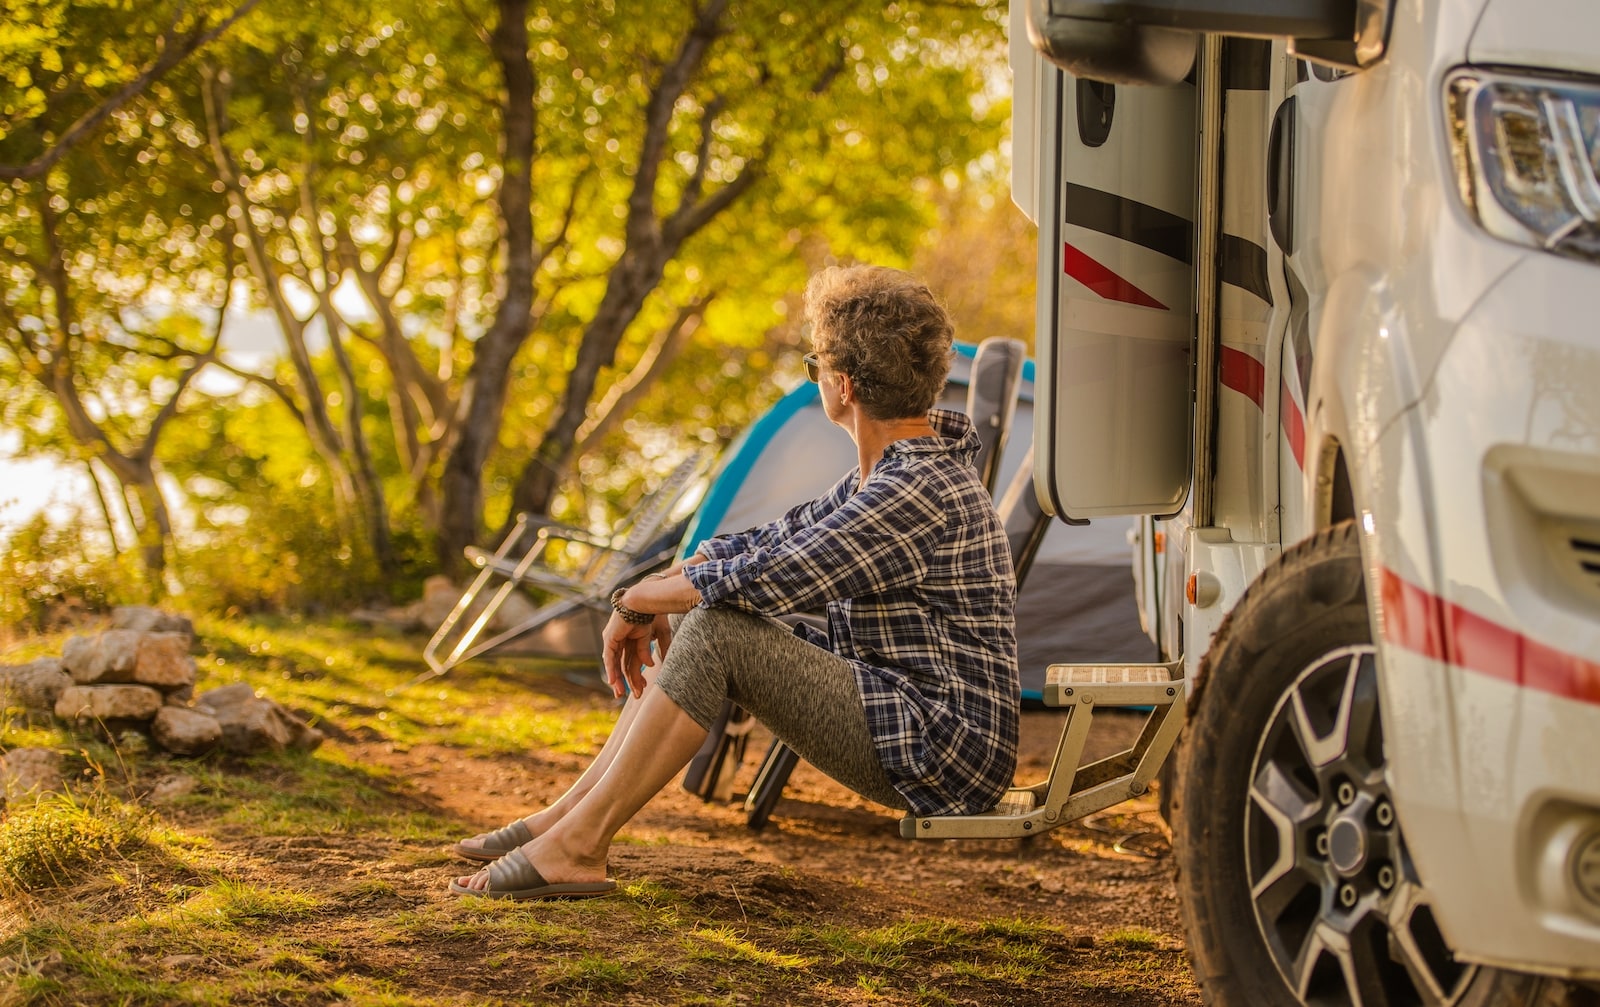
884	329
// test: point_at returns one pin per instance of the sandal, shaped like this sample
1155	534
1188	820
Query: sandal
496	844
513	877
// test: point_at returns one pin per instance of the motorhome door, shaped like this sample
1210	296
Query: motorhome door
1112	190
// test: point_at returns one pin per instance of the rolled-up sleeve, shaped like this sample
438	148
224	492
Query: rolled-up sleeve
877	540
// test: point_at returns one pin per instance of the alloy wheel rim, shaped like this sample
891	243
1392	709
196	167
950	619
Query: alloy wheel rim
1335	895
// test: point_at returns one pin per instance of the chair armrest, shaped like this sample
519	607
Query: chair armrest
564	532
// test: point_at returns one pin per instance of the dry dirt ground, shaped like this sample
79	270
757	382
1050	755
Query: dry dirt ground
1102	887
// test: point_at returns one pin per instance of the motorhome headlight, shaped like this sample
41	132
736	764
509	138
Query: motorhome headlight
1527	158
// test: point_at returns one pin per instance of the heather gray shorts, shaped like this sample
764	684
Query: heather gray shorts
804	694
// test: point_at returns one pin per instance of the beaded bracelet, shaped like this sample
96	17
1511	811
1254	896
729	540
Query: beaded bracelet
629	615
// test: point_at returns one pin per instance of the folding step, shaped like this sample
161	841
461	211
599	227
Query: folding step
1111	685
1010	818
1072	790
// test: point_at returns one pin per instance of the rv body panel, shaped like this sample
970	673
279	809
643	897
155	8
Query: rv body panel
1429	343
1116	283
1506	35
1244	497
1503	638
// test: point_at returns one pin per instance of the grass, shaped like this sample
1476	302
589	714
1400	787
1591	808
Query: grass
310	878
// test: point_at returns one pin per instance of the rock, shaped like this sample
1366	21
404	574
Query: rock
186	732
306	738
514	610
28	772
163	661
439	596
109	657
129	655
251	727
170	789
253	724
144	619
225	695
183	696
108	702
34	686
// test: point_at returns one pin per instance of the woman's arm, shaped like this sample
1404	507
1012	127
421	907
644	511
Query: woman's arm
771	534
668	593
879	539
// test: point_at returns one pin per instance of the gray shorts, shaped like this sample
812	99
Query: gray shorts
805	695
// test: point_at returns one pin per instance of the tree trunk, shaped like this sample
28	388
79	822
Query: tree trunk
155	532
652	239
483	395
630	284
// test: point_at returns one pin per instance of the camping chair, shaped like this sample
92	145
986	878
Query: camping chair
634	547
992	389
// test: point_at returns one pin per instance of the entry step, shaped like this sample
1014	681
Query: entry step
1011	818
1112	684
1074	789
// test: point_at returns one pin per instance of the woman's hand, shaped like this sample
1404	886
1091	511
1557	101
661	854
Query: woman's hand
625	646
661	633
625	650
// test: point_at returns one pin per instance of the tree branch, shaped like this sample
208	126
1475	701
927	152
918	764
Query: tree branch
170	51
624	393
273	385
169	408
643	227
691	191
690	217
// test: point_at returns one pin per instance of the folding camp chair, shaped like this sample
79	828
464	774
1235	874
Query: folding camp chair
632	549
992	389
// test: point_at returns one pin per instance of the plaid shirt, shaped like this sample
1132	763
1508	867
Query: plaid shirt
916	575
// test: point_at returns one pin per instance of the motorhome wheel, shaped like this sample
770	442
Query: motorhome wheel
1295	881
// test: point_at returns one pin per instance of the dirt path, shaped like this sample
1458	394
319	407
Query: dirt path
829	857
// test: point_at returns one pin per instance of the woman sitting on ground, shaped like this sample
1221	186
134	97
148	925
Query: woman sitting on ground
909	698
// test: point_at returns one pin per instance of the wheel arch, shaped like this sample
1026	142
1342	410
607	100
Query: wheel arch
1335	496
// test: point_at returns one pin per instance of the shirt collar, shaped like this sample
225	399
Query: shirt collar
956	436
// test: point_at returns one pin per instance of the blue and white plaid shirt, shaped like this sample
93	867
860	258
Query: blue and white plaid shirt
916	575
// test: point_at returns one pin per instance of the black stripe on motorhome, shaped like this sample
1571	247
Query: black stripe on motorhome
1300	333
1244	264
1130	220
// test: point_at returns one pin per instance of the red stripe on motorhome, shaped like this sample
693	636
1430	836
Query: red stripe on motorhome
1097	277
1245	375
1444	631
1294	425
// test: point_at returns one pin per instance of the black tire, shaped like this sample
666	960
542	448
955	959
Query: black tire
1295	884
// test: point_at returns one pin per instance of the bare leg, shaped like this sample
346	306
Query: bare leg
539	821
660	741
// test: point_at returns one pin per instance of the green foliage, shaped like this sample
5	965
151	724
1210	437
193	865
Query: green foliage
334	168
50	570
52	841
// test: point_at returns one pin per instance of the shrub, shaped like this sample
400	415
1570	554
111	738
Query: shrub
50	842
49	572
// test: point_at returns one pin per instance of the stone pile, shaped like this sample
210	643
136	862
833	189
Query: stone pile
139	674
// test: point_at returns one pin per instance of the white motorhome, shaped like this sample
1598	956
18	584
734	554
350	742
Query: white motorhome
1320	299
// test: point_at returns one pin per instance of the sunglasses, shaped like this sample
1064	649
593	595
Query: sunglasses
813	367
